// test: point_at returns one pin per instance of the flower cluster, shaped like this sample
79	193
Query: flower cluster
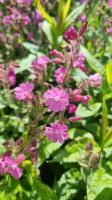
18	19
52	92
10	166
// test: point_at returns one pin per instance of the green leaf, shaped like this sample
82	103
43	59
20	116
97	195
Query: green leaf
105	116
72	16
46	149
99	183
66	187
48	31
73	151
79	75
93	62
84	111
41	190
45	192
60	8
62	13
31	47
66	9
45	15
108	138
109	72
25	63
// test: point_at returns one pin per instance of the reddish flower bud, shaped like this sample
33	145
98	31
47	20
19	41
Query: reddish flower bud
11	76
78	98
74	119
94	160
20	159
53	52
57	53
33	150
57	60
71	34
19	141
85	100
89	146
83	29
72	109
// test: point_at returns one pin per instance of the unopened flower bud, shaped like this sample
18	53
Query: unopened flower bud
54	52
11	76
89	146
74	119
71	34
72	109
19	141
94	160
83	29
85	100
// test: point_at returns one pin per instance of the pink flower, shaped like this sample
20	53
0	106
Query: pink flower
37	17
79	62
85	99
40	63
72	109
2	1
30	36
24	1
16	35
70	34
24	91
20	1
82	18
110	3
60	74
95	80
25	20
11	76
9	166
56	99
20	159
109	30
57	132
6	20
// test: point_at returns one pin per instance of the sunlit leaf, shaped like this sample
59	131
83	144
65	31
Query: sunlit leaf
87	111
31	47
72	16
93	62
99	186
66	8
45	15
109	72
66	187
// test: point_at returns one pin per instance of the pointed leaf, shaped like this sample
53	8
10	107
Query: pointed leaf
91	110
72	16
45	15
99	183
93	62
109	72
66	9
